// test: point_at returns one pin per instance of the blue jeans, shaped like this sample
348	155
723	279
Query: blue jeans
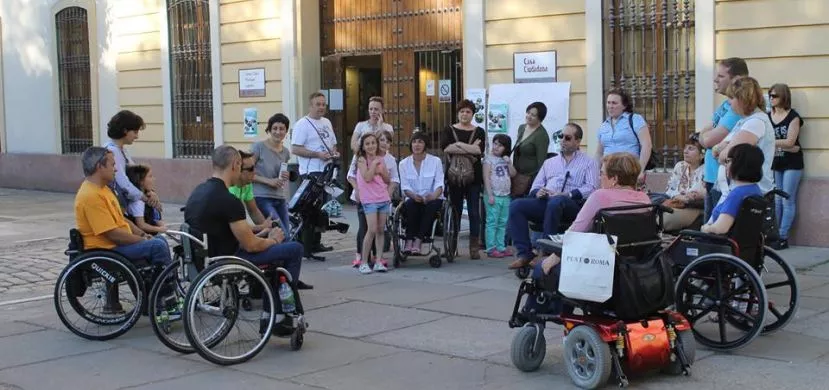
712	197
288	255
472	194
155	250
786	209
275	208
550	211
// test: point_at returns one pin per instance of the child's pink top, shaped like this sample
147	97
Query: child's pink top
602	199
373	191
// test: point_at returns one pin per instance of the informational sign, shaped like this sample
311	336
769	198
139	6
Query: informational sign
251	128
335	99
534	67
497	118
252	82
478	96
445	91
556	96
430	87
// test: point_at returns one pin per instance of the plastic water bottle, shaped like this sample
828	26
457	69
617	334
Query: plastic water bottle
286	296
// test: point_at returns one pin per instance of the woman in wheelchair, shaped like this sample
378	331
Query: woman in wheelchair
421	178
744	169
618	175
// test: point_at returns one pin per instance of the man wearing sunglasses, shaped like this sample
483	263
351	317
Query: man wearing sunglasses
244	191
556	195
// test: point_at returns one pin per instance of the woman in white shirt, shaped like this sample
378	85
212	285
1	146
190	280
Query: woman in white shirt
421	178
746	99
374	124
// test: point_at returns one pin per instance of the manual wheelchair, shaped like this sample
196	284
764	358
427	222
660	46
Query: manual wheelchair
101	294
446	225
219	306
720	285
632	331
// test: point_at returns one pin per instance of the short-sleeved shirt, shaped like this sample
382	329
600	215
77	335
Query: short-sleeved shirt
733	201
787	160
724	117
210	210
620	137
310	134
269	164
97	211
244	193
498	175
364	127
138	208
758	124
391	164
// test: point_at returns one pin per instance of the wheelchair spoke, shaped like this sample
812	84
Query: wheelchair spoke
740	313
786	283
773	310
697	290
721	322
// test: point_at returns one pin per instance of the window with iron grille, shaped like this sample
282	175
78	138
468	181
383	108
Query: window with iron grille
191	78
74	82
649	52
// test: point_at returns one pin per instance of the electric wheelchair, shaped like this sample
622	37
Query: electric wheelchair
632	331
446	225
732	287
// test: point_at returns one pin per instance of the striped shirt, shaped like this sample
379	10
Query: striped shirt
580	174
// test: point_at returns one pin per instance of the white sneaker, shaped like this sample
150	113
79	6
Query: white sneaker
365	269
379	266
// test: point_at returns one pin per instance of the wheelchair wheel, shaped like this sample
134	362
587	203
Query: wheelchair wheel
214	323
450	231
529	347
435	261
166	305
523	272
689	347
587	357
713	290
98	296
780	281
397	237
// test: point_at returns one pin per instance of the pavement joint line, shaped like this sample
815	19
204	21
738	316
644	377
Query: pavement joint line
37	240
811	267
170	378
385	355
42	329
24	300
113	347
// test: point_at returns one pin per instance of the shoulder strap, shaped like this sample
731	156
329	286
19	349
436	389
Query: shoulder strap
454	133
319	135
635	136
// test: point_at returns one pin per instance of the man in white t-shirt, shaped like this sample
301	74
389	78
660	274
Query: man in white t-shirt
314	143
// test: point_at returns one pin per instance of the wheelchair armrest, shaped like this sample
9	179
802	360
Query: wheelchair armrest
707	236
549	246
778	192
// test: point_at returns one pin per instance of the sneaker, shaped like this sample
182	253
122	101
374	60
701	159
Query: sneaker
507	252
379	266
407	247
416	246
357	260
364	269
780	245
495	253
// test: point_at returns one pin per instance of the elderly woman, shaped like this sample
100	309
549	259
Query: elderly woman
270	180
530	149
464	140
122	130
746	98
788	161
624	131
619	176
686	189
421	178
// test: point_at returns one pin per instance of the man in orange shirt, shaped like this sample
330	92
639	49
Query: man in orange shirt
101	221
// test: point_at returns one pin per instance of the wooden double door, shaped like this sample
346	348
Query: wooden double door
414	43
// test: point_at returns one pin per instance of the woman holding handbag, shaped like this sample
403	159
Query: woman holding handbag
530	149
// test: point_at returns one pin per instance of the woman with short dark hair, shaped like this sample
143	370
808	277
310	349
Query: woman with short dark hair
744	167
122	130
421	179
270	182
624	131
530	149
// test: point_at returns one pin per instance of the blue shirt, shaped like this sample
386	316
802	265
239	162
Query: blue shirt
623	138
726	117
733	201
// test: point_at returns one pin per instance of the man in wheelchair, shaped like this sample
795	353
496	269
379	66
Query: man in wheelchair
211	209
99	218
556	195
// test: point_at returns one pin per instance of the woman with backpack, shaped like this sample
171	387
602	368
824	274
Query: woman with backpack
625	131
463	144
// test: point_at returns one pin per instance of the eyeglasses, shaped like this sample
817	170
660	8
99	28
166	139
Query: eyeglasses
567	137
728	160
249	169
773	96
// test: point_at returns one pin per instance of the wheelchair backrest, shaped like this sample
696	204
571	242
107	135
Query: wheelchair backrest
193	253
747	230
637	227
75	246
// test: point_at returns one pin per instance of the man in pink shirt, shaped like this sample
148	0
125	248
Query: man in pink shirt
557	193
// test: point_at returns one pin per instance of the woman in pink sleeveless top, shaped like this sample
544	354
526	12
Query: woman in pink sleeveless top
373	187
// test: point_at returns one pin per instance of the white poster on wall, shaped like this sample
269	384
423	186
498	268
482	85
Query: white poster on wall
556	96
430	87
478	96
445	91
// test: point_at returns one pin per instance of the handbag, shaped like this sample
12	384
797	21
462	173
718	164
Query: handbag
652	161
588	261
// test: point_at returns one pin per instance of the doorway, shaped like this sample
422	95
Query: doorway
363	78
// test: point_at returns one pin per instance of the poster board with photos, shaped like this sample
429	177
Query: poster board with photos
556	96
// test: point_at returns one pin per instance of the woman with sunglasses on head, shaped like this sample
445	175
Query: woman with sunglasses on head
788	158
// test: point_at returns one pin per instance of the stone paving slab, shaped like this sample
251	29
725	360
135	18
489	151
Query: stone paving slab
489	304
97	370
786	346
41	346
13	328
358	319
405	293
221	379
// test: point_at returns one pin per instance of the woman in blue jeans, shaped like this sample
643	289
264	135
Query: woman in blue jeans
270	183
788	157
